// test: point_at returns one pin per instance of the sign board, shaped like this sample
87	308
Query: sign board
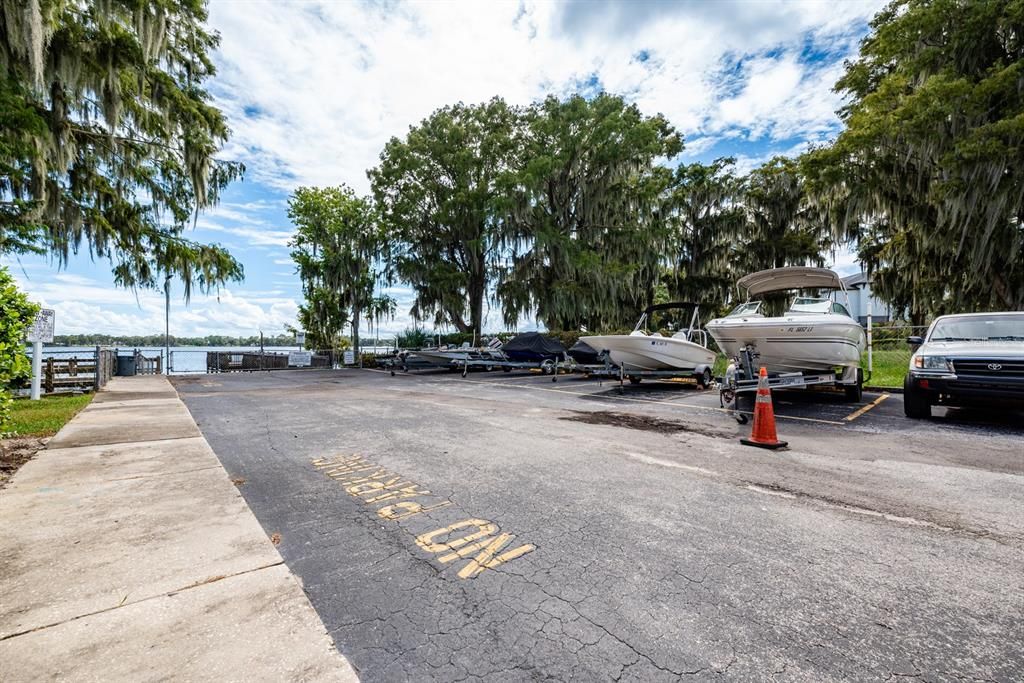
300	338
42	327
350	358
300	359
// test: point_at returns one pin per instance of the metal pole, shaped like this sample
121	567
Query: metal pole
167	323
37	368
870	343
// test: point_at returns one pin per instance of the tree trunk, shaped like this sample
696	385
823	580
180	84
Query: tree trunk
476	304
355	332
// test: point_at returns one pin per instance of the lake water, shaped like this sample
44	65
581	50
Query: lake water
184	359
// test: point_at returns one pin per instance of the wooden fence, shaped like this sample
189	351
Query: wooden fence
78	373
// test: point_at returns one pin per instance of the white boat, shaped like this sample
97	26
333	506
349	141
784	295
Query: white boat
685	350
815	334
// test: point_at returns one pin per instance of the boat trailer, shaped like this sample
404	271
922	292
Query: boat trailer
702	374
741	379
549	366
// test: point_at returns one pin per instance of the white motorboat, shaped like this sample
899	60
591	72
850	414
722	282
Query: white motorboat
815	334
685	350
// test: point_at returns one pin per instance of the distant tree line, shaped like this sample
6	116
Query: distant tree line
158	340
576	211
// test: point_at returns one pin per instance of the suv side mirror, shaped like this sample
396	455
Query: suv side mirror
915	341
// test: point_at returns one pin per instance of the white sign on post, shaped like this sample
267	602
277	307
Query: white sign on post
41	331
300	338
42	327
300	359
350	358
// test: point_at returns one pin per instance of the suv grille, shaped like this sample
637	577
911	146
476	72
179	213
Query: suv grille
981	367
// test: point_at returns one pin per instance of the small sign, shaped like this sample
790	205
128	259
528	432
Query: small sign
300	338
350	358
300	359
236	359
42	327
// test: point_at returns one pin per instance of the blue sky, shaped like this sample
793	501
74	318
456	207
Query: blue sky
312	91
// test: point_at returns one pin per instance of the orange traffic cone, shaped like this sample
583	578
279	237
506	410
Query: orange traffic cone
763	434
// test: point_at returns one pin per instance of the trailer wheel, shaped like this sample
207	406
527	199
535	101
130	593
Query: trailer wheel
548	367
633	379
704	379
488	368
855	392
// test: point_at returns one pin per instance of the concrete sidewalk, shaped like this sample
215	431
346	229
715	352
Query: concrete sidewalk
127	554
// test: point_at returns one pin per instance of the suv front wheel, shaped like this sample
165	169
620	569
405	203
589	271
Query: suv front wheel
916	403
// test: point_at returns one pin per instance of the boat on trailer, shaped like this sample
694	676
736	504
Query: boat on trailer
640	353
814	341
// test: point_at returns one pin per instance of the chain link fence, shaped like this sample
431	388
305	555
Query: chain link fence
888	355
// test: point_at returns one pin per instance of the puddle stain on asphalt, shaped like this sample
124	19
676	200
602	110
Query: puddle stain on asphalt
374	485
642	422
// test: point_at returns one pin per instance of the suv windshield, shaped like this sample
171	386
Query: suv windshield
977	328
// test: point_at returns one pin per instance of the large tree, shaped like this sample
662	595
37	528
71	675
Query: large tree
783	227
584	230
339	248
705	213
438	190
108	140
928	177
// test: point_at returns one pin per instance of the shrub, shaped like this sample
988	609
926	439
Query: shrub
16	315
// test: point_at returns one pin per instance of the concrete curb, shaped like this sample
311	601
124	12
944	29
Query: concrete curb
128	554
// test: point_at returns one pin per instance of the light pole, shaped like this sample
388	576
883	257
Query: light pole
167	325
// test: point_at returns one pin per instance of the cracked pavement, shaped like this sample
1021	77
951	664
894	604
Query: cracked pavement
873	549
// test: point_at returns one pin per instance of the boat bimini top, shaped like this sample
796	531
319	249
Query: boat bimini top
792	277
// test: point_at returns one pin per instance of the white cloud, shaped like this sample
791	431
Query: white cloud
84	305
313	91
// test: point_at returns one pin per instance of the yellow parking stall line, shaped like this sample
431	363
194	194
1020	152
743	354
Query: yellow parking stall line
863	409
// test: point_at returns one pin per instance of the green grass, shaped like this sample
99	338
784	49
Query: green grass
46	416
890	366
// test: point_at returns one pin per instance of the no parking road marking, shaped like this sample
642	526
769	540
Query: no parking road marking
373	484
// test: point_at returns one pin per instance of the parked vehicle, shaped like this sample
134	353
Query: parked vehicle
815	342
966	359
686	350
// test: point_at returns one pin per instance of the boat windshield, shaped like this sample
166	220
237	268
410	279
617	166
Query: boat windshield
803	304
992	328
749	308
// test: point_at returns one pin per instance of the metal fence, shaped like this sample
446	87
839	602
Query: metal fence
888	355
188	361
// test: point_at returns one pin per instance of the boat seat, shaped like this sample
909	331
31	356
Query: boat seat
637	333
654	334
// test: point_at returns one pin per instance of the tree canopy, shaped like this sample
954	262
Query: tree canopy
108	140
584	230
337	245
706	217
927	177
439	194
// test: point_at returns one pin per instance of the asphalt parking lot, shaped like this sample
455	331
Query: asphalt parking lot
505	527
